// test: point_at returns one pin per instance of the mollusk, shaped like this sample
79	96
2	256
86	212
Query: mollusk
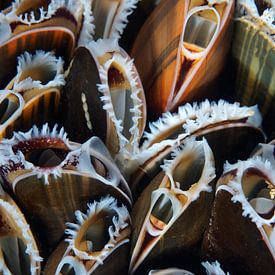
32	96
175	202
52	177
182	42
24	15
120	119
214	121
95	241
41	25
243	218
253	53
18	250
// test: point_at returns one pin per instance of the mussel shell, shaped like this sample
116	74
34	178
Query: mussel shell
229	141
42	108
235	240
180	245
253	56
159	42
82	78
48	206
59	39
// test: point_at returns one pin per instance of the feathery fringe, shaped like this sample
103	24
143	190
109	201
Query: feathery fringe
236	185
213	268
45	61
88	28
128	68
196	116
120	21
120	221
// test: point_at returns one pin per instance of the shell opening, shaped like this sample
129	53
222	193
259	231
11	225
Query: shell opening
259	192
162	212
99	167
46	157
12	252
43	152
104	12
199	31
120	91
96	235
67	269
8	107
189	169
44	73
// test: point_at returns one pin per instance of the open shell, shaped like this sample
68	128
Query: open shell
52	177
35	92
176	201
24	15
98	243
120	119
243	218
44	25
181	63
18	250
214	121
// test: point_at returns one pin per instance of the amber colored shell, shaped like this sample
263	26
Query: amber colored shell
159	43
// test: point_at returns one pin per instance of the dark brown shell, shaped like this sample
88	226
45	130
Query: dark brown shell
234	240
49	206
82	78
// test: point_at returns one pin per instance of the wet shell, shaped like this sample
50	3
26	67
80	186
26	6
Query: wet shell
18	250
51	178
31	41
253	55
98	243
41	25
35	92
180	63
25	15
243	218
111	102
214	121
171	215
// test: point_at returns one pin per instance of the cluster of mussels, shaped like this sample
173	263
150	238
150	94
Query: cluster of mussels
194	192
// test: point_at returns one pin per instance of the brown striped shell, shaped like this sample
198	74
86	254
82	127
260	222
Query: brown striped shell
51	178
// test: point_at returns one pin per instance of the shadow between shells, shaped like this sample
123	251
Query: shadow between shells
117	153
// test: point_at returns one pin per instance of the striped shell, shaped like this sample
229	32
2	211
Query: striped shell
32	96
253	55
